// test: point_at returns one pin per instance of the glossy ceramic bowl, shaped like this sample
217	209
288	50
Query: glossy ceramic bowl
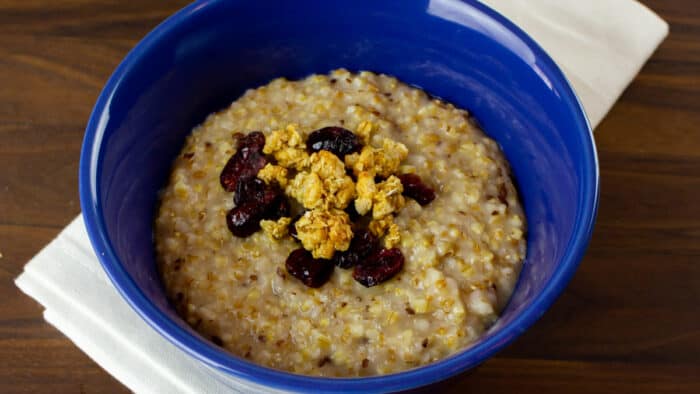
206	55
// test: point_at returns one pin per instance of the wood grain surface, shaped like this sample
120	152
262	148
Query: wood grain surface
629	321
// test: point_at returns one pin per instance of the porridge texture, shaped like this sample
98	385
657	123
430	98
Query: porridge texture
463	250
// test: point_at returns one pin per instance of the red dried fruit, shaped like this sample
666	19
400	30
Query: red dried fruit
274	203
337	140
255	201
244	220
414	188
312	272
271	196
246	162
363	245
249	189
379	267
282	208
254	140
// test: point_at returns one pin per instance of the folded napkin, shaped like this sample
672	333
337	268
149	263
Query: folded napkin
599	44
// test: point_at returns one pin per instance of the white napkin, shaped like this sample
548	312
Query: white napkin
599	44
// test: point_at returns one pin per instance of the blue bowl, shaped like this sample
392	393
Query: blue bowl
205	56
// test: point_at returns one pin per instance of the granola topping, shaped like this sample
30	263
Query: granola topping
322	232
287	147
322	186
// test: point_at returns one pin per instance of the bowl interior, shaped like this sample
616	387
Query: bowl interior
208	54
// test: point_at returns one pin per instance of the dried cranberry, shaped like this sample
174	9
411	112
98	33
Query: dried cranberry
337	140
249	189
254	140
312	272
379	267
255	201
282	207
363	245
270	196
414	188
274	202
246	162
244	219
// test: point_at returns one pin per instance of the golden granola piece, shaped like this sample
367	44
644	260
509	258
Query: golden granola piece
287	147
388	198
323	232
379	227
292	158
326	165
272	173
366	189
323	184
339	192
364	131
279	139
351	161
392	237
383	161
363	161
276	229
389	157
385	227
307	188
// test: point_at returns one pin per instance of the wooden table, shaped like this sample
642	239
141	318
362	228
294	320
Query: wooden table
629	321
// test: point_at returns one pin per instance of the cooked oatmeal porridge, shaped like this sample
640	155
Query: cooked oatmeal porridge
409	174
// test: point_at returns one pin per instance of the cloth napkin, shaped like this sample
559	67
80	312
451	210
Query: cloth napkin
599	44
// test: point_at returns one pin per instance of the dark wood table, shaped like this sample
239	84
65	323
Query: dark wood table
629	321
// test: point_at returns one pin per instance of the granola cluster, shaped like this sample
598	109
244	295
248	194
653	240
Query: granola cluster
322	186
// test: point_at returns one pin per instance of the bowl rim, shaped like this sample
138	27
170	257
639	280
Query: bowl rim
257	374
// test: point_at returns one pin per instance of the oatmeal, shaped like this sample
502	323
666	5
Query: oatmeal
412	205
